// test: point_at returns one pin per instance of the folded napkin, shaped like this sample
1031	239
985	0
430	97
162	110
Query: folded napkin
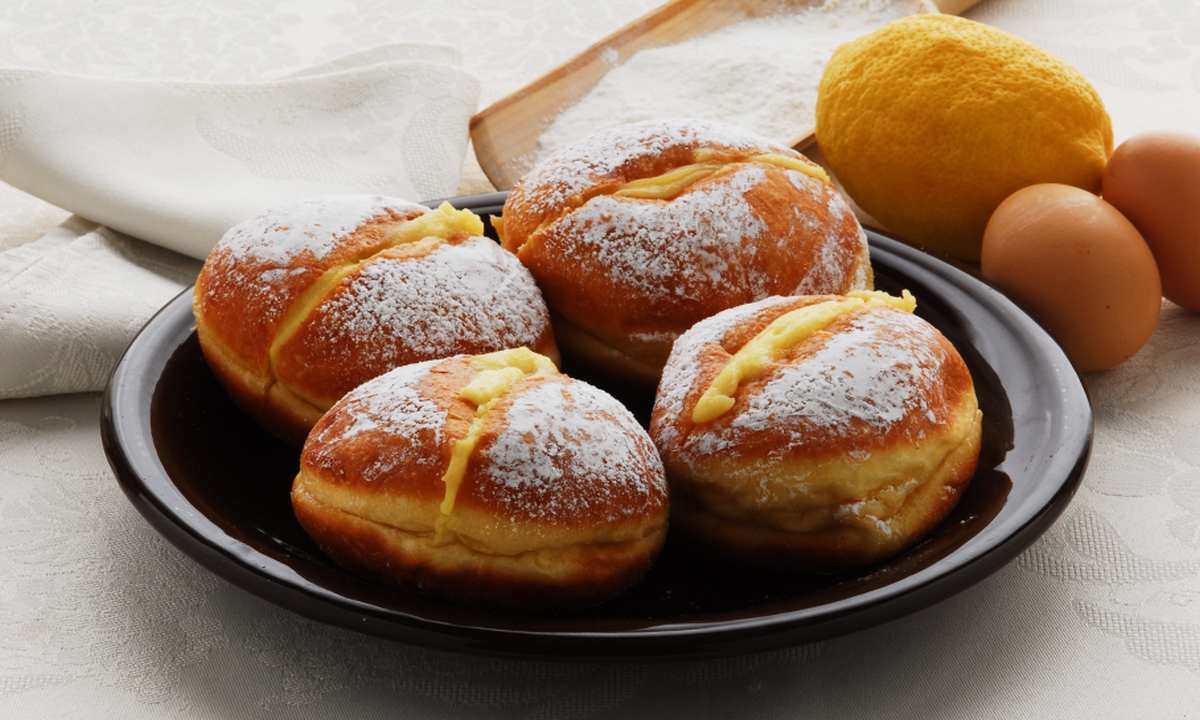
176	163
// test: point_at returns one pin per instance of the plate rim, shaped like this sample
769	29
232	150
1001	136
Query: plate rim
148	486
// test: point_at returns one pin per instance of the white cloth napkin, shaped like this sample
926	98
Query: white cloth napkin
175	164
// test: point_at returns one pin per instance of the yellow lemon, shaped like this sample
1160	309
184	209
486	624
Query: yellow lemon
933	120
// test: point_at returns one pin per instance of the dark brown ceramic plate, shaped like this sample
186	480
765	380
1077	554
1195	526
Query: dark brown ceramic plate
215	485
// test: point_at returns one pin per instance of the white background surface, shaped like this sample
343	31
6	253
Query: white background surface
100	617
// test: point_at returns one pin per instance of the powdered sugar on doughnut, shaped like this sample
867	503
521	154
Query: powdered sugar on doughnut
683	366
568	448
571	170
278	275
828	272
683	248
468	294
314	227
862	271
874	372
392	405
870	375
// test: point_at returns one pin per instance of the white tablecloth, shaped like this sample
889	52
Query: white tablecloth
100	617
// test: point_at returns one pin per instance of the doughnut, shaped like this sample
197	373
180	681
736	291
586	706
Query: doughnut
640	231
815	432
299	305
487	479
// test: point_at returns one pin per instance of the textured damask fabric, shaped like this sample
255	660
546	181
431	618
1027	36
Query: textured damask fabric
100	617
175	163
71	301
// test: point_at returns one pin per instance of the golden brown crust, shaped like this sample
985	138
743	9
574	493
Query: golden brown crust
286	416
353	445
633	273
299	305
850	447
563	496
612	158
229	293
852	542
576	576
638	363
945	381
330	352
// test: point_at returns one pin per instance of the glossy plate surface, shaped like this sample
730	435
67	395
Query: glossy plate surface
215	485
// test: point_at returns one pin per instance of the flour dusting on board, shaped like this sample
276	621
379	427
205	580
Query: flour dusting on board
761	73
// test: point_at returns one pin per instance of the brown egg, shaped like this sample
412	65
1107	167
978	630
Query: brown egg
1080	267
1154	179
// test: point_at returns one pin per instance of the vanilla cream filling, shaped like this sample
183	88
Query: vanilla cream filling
785	332
496	374
421	234
675	182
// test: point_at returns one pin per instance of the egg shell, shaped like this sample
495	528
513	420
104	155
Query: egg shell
1154	180
1080	267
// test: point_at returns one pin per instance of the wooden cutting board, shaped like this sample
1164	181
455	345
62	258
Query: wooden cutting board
505	134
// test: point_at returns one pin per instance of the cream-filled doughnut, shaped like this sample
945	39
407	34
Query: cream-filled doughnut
641	230
816	432
487	479
306	301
